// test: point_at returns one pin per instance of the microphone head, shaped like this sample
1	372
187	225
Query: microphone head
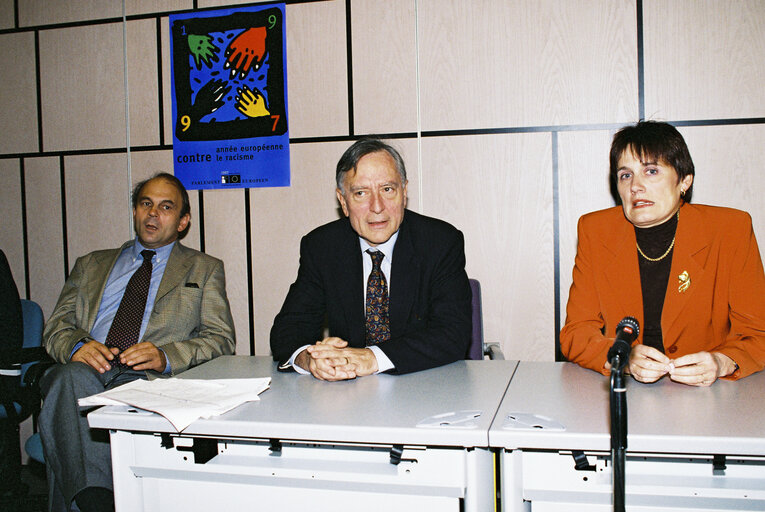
630	326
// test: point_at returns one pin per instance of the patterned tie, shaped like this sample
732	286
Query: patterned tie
127	321
378	320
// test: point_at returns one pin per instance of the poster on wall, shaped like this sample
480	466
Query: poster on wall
229	86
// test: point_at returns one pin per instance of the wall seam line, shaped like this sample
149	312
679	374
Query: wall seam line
127	118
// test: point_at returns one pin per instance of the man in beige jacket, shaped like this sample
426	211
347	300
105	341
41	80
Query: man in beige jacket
184	321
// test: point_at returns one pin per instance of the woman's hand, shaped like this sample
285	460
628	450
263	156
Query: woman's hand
701	368
648	364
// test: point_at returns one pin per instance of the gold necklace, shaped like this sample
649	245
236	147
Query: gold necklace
665	252
660	257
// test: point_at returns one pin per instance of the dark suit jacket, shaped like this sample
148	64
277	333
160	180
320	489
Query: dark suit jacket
430	311
191	319
723	309
11	322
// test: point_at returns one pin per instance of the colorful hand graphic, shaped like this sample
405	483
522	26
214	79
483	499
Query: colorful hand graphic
251	104
208	99
203	50
247	50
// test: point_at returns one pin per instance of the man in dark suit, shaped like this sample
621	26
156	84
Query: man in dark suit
390	283
180	319
11	340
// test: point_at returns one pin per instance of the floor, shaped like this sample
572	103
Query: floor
33	497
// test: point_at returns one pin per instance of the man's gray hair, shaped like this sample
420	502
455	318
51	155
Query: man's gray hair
360	149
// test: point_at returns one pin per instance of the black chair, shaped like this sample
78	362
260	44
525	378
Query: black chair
478	347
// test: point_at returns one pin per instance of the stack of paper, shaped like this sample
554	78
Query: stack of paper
182	401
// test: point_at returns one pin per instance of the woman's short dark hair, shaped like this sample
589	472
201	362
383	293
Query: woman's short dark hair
185	204
362	148
654	141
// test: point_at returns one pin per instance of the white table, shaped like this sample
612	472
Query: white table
306	440
675	432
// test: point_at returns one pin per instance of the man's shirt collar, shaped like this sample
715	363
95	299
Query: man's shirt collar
385	248
163	253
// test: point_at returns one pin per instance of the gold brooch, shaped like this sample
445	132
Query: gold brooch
685	281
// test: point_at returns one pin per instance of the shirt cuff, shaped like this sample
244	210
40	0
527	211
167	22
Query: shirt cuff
76	348
79	345
291	362
167	364
383	362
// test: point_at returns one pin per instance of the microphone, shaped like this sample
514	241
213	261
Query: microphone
626	332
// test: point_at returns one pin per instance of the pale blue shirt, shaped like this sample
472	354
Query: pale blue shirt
128	262
383	362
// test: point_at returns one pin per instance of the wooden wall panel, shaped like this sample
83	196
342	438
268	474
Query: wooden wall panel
280	218
167	101
409	151
12	234
384	52
6	14
142	82
497	189
97	203
704	60
729	170
317	70
203	4
150	6
83	90
583	187
44	12
45	233
498	63
18	103
225	239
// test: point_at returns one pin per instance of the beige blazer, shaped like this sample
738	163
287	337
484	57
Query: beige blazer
191	319
715	299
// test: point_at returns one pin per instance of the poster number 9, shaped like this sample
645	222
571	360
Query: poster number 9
271	21
186	122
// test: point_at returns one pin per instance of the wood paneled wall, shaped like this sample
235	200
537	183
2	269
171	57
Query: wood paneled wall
503	110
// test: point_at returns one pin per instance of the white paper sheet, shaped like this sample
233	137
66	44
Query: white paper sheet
182	401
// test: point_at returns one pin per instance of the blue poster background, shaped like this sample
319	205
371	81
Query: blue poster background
229	86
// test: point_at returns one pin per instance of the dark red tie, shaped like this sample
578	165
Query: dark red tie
377	317
126	325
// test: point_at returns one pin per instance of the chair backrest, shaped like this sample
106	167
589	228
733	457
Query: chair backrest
475	351
33	327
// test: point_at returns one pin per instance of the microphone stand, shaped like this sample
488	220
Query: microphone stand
618	429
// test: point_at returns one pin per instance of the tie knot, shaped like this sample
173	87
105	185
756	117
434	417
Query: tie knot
147	255
377	257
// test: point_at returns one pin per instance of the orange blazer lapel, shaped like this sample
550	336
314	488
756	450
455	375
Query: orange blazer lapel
622	272
688	258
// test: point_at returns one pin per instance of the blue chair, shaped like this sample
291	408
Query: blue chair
20	372
33	448
478	347
26	398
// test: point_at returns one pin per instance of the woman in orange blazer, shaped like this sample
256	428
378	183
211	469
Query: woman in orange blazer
690	274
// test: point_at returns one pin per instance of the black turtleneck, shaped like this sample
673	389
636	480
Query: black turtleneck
654	276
